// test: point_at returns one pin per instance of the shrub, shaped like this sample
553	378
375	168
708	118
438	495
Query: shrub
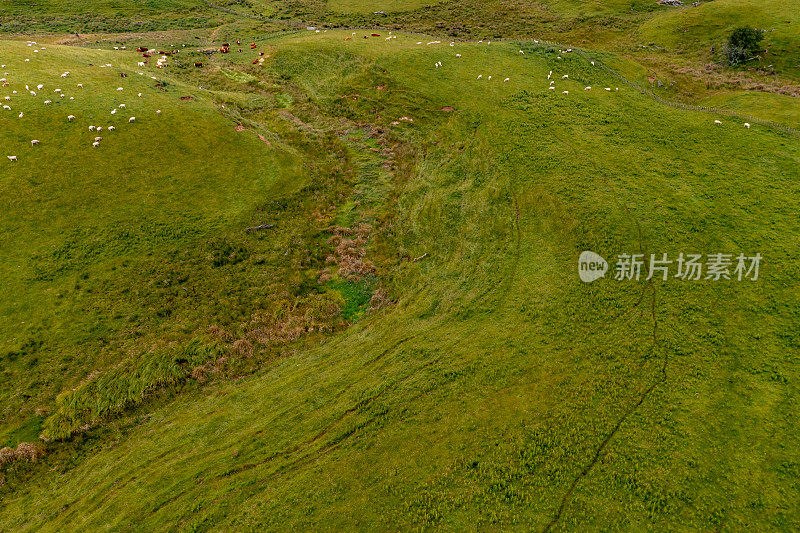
742	45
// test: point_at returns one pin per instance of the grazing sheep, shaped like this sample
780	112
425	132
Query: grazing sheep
458	55
158	112
489	78
140	95
505	80
111	128
71	117
57	91
113	111
480	76
565	76
21	115
588	88
552	88
717	122
747	125
34	142
40	87
98	139
96	144
608	88
120	89
47	102
140	63
12	158
566	92
7	108
80	85
132	119
592	63
99	128
122	106
92	128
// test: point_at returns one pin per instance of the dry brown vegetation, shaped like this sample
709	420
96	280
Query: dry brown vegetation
349	252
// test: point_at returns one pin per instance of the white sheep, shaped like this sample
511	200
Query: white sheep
588	88
158	112
120	89
747	125
21	115
7	108
46	102
140	63
34	142
717	122
566	92
98	139
111	128
505	80
92	128
96	144
40	87
70	117
565	76
480	76
113	111
122	106
80	85
12	158
132	119
99	128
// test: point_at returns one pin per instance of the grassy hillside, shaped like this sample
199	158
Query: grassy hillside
67	16
361	6
693	32
120	259
498	392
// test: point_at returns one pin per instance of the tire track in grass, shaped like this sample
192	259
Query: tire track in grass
615	429
661	379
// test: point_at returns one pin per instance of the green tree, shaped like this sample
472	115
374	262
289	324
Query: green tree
743	44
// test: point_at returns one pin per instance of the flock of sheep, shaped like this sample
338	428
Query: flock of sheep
551	87
16	96
59	93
